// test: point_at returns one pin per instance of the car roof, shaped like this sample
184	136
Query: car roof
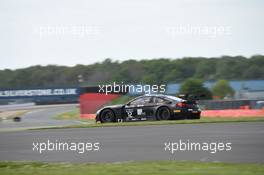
154	95
164	96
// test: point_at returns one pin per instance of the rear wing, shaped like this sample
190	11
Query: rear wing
191	97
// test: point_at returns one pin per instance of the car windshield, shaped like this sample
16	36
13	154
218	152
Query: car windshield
141	100
174	98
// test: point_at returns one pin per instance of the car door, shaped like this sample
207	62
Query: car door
136	109
150	109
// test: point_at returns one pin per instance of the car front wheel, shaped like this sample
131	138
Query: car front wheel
107	115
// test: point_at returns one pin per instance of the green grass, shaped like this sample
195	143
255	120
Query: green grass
73	115
121	100
129	168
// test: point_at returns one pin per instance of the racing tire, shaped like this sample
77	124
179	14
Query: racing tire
107	116
163	113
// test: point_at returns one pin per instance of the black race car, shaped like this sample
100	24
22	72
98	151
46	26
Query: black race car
150	107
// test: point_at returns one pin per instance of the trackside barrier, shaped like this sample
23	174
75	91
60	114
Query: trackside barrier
91	102
233	113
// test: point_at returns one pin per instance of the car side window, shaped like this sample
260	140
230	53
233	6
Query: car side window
141	101
158	100
146	100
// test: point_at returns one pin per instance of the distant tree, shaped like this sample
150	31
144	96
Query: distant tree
195	87
222	89
148	71
206	69
253	72
122	76
149	79
172	76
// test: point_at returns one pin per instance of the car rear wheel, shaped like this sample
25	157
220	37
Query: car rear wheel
163	113
107	115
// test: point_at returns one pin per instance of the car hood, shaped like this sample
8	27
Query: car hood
114	106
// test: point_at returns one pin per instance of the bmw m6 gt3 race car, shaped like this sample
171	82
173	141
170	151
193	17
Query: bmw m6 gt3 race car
150	107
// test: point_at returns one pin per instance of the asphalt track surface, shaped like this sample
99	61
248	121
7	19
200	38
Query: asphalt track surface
139	143
37	117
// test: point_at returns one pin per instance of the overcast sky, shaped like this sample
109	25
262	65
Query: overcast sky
84	31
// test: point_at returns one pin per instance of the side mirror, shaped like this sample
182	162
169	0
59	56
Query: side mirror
128	104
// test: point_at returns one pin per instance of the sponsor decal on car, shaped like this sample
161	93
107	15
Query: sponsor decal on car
177	110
